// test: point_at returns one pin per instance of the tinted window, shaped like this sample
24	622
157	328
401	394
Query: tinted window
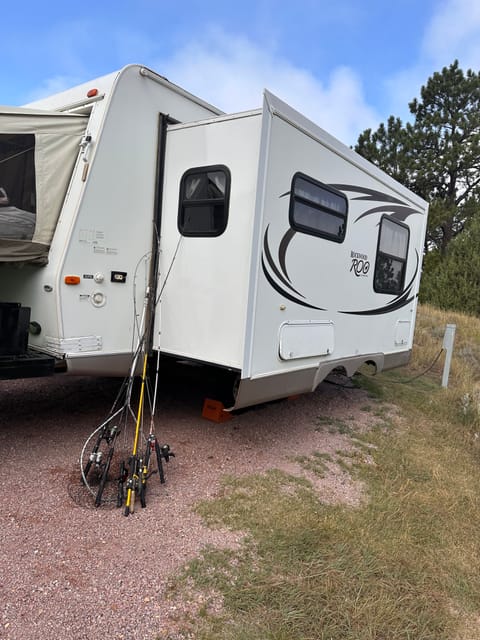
317	209
204	200
391	262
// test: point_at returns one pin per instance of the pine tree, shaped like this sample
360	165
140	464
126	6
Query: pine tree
438	155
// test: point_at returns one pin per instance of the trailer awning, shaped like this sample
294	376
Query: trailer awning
38	150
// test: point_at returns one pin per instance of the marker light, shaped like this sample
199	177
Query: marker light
72	279
92	93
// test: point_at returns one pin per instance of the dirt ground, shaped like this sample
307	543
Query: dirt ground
73	571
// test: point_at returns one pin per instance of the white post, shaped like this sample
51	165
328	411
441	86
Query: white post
448	339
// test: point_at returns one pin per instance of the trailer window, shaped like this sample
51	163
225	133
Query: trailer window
391	262
17	186
204	199
317	209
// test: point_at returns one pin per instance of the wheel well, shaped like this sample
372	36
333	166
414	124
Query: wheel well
373	364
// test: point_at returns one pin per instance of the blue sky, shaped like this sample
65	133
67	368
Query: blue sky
346	64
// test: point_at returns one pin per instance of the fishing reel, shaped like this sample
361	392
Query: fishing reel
100	459
134	480
111	434
166	452
108	435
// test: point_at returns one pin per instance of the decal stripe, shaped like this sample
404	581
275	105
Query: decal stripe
401	210
282	251
398	302
399	213
273	266
394	306
398	210
285	294
370	194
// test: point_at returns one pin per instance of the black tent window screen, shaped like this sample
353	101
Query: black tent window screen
391	261
204	200
17	186
317	209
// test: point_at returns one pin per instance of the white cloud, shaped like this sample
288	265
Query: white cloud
405	85
453	33
231	73
50	86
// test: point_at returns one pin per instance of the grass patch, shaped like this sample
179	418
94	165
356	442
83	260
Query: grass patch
316	463
405	565
333	425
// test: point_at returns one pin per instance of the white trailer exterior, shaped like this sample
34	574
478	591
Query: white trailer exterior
278	253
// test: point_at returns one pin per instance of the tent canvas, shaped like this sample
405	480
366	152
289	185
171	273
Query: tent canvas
38	151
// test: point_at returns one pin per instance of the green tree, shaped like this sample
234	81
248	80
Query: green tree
453	281
438	154
390	148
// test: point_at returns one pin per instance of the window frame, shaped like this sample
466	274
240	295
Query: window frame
183	201
380	253
315	205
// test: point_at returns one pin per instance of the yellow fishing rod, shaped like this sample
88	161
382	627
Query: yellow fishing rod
138	473
135	463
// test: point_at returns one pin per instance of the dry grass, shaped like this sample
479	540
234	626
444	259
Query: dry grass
405	564
465	370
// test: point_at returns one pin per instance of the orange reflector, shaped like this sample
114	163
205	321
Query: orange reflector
215	411
92	93
72	279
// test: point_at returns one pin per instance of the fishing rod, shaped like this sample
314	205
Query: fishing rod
135	463
139	467
152	446
107	433
133	476
101	455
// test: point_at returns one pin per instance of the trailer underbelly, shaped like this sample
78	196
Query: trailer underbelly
283	384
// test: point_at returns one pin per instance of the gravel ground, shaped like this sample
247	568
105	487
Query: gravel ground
72	571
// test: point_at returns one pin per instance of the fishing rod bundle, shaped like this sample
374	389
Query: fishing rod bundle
131	479
133	473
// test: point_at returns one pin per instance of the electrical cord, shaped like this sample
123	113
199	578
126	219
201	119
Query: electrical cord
419	375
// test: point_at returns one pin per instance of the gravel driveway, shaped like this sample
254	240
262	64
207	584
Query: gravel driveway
73	571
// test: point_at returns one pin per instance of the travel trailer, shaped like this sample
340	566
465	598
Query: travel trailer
253	242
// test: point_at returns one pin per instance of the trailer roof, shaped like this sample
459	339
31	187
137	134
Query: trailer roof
105	85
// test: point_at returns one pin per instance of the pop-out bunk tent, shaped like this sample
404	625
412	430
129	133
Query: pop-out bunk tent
37	153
